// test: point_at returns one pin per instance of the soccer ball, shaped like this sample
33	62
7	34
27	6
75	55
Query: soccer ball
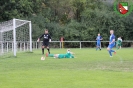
42	58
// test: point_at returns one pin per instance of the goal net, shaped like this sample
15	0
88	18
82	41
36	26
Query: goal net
15	36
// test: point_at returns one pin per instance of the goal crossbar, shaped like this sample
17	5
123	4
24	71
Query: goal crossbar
9	27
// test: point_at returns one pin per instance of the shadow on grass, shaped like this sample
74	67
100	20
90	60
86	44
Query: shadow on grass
8	57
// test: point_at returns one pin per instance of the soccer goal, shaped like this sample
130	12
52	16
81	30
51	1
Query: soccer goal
15	36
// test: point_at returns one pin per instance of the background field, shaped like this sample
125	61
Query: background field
91	69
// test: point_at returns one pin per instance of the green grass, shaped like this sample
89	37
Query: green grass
91	69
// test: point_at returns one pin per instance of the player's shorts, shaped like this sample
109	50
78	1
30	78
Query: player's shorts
45	44
98	43
118	44
111	46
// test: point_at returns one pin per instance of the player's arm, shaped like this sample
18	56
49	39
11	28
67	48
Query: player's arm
72	53
68	51
40	38
101	38
49	38
121	40
112	41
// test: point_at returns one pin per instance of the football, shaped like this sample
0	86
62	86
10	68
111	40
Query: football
42	58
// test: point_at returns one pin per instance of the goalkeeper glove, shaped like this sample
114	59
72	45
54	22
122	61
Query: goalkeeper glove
49	40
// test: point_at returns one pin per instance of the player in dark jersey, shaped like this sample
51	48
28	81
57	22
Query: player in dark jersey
46	39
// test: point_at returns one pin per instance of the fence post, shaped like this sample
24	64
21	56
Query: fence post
24	46
60	44
80	45
2	47
27	46
12	46
7	46
33	45
36	45
40	45
20	46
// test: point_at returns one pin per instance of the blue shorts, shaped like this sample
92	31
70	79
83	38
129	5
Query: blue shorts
111	46
98	43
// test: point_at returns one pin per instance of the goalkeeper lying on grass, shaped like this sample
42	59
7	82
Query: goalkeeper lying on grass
61	56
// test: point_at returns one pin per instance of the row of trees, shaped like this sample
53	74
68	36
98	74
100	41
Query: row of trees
72	19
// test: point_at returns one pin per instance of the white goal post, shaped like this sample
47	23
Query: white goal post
12	32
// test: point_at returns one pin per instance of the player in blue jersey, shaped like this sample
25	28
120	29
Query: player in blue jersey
99	38
111	43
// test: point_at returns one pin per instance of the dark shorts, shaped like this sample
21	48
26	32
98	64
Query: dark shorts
46	44
118	44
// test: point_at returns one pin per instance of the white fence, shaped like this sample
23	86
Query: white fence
8	46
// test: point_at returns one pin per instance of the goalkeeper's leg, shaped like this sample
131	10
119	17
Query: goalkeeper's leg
48	50
118	46
43	45
52	55
47	44
42	50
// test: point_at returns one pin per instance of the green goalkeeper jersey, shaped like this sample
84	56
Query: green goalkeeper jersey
67	55
61	56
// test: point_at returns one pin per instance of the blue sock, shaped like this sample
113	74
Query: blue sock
110	53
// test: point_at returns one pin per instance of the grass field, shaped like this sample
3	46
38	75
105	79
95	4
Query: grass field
91	69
